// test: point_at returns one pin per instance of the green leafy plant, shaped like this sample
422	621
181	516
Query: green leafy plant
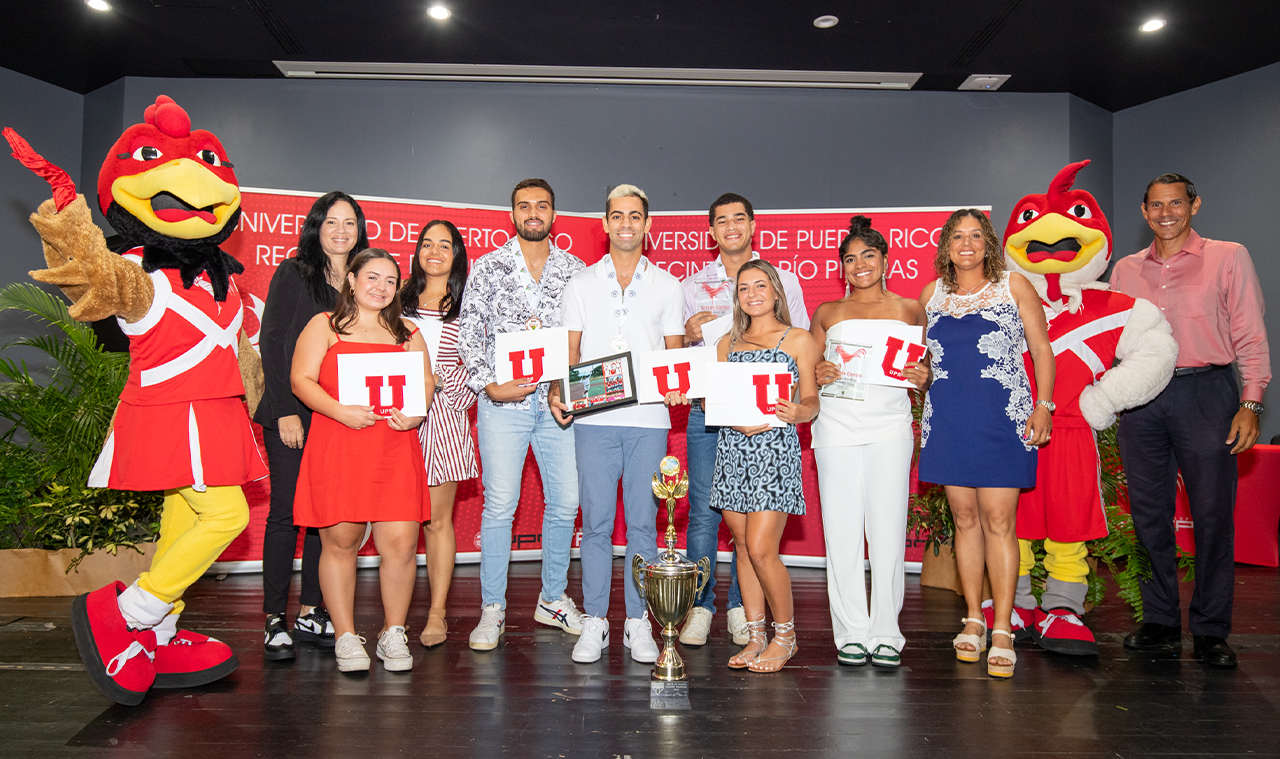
928	513
57	427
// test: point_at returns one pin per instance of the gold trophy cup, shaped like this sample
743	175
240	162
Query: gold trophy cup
672	583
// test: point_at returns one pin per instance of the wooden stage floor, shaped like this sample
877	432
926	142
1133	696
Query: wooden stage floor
528	699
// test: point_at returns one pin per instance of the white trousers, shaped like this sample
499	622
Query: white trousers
864	492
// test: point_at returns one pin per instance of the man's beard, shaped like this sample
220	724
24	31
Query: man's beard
525	234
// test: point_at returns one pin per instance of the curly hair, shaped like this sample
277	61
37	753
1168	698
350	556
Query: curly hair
993	257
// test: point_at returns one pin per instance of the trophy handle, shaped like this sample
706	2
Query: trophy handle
638	565
704	571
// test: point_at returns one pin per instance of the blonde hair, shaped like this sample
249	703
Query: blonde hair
992	258
626	191
741	319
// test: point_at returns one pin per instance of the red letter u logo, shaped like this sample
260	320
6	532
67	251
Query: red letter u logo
761	381
682	372
517	364
913	354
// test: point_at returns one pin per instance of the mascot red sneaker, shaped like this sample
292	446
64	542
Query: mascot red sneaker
181	426
1062	243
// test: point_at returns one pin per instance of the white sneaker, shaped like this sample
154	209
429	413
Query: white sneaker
493	625
637	635
593	639
393	649
560	613
350	653
697	628
738	626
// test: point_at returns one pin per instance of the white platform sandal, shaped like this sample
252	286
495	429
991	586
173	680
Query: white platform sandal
979	642
997	652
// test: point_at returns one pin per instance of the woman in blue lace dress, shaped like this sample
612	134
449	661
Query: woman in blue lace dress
756	483
980	427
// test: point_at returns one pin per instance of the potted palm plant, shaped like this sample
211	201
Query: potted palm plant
60	537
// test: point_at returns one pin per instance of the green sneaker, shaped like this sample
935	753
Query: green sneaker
852	654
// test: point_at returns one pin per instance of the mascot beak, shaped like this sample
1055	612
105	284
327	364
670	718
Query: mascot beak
179	198
1055	244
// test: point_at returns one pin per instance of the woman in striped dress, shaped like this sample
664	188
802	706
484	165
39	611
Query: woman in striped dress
433	293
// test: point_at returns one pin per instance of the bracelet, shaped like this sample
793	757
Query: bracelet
1050	405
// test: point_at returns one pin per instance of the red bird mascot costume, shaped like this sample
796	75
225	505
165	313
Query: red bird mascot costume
181	426
1062	243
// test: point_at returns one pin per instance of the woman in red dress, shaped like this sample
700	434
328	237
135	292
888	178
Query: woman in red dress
360	465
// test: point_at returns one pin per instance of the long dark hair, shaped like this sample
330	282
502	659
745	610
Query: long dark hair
311	258
416	284
345	312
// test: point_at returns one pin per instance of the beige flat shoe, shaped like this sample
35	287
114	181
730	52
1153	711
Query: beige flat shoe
436	630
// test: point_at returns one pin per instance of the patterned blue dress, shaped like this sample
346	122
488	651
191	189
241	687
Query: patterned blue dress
977	407
761	472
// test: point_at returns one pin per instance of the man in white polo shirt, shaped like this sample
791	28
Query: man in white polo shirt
622	303
709	292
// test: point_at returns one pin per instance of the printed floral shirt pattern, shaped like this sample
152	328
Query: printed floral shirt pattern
496	301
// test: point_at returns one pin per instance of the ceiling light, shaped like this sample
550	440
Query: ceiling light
439	12
984	82
1153	25
825	22
874	80
98	5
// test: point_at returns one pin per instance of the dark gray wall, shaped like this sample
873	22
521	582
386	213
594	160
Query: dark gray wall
51	119
1090	138
782	148
1224	137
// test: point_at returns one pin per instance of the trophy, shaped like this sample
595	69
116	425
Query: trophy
670	584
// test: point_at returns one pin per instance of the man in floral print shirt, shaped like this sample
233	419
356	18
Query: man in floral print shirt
520	286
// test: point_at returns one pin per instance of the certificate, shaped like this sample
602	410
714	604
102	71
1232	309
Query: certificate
715	329
744	394
384	381
601	384
431	328
535	355
682	369
873	352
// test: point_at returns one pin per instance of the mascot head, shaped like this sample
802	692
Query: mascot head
175	181
1060	240
172	190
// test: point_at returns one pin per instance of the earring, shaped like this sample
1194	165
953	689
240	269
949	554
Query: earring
884	283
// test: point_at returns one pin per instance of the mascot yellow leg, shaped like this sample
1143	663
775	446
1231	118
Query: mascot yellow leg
195	528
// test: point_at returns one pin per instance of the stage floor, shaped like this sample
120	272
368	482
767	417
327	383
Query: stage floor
528	699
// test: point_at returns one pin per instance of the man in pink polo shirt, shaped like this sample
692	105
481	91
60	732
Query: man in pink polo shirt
1210	294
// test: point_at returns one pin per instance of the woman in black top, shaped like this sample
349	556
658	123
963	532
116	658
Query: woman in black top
301	288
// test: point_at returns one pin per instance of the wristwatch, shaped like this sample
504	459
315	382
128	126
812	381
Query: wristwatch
1253	406
1050	405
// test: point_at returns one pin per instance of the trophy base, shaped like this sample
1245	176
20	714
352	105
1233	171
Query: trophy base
669	695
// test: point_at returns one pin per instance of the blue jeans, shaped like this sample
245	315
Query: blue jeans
703	536
605	455
505	436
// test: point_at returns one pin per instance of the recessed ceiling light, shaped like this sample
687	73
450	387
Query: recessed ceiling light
987	82
439	12
825	22
98	5
1153	25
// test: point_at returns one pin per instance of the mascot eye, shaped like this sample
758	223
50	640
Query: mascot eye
146	153
1027	215
209	157
1081	211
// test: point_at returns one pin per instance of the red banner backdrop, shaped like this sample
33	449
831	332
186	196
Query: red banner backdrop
804	242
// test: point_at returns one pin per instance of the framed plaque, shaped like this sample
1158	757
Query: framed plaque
601	384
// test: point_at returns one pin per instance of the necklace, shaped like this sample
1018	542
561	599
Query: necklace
971	290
